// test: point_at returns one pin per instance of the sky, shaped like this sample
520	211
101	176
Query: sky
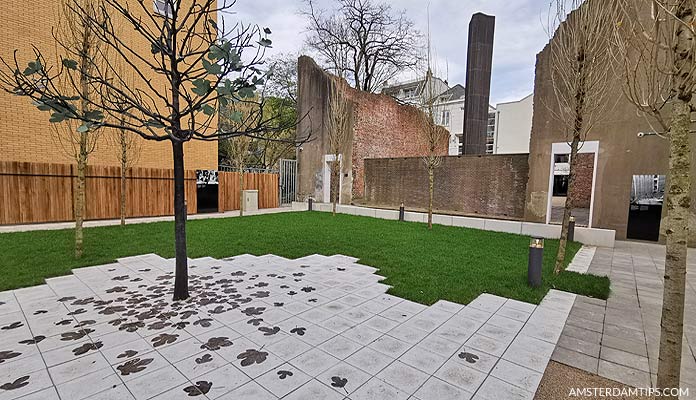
519	35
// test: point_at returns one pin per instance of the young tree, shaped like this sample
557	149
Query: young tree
127	151
657	48
365	41
237	116
580	68
75	39
434	135
339	134
186	66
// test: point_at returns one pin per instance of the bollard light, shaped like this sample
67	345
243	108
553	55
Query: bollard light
401	212
571	229
310	202
536	258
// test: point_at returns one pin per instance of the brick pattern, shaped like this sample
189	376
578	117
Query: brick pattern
27	134
472	185
583	180
384	128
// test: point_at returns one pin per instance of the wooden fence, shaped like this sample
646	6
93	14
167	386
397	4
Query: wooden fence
34	192
228	194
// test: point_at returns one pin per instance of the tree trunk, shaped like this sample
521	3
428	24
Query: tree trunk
677	202
80	202
431	190
241	191
181	279
335	186
568	209
124	165
580	93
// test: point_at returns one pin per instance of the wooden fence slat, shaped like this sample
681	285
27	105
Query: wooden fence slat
38	192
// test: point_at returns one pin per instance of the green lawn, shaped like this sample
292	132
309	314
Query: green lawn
450	263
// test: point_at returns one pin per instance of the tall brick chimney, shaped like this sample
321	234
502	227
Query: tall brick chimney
479	63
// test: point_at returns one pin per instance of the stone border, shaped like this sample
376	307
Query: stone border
586	236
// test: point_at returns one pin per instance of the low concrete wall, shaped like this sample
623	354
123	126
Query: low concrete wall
586	236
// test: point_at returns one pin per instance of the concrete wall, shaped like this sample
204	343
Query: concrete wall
514	126
28	136
621	154
380	127
491	186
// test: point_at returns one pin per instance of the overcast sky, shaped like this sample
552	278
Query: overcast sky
519	35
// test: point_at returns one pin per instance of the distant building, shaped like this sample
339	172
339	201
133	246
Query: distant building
513	126
414	91
448	108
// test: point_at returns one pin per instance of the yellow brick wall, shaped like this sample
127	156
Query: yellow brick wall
26	132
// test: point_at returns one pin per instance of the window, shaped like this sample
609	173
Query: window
445	118
410	93
562	158
164	7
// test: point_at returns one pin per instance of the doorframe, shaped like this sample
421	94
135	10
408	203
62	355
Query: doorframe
328	158
564	148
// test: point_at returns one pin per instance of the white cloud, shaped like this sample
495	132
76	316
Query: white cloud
519	35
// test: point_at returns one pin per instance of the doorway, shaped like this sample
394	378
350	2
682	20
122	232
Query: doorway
583	191
645	208
207	188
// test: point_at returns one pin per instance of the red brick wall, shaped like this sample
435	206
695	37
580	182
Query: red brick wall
490	186
582	189
382	129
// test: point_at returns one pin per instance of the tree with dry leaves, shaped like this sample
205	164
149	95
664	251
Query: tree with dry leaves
656	44
365	41
339	133
581	68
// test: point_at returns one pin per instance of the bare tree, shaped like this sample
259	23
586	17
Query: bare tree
186	65
581	66
339	134
434	136
237	116
365	41
127	150
77	40
657	48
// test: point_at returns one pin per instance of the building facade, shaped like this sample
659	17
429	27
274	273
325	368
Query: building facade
29	137
620	157
513	126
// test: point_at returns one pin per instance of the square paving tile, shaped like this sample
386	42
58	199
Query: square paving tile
264	328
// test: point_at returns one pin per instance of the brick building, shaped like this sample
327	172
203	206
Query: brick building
27	135
380	128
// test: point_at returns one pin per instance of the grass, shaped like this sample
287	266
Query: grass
449	263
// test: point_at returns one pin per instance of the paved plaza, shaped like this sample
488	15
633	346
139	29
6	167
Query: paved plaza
266	328
619	338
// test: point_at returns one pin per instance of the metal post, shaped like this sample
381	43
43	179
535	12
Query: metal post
571	229
310	203
401	212
536	258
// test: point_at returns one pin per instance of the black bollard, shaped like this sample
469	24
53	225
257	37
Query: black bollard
311	203
536	258
401	212
571	229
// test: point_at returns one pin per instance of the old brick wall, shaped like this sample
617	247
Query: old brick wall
27	135
380	128
582	190
491	186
